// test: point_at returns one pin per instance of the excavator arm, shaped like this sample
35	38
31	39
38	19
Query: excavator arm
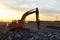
31	12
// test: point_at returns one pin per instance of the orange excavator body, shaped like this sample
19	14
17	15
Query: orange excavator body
21	22
16	25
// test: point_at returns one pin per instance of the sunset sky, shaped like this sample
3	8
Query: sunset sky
14	9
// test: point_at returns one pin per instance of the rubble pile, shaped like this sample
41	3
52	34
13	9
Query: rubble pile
28	35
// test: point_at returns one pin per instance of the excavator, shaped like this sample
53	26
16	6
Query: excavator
21	23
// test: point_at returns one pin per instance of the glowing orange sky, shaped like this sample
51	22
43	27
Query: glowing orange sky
7	14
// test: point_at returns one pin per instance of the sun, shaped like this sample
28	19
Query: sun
8	14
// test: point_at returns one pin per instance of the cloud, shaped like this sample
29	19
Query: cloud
48	7
50	11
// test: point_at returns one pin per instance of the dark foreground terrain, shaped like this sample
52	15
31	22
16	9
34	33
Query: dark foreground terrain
25	34
45	32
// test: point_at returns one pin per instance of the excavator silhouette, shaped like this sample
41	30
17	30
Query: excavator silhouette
21	23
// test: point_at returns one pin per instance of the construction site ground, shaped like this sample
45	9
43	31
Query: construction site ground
32	34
